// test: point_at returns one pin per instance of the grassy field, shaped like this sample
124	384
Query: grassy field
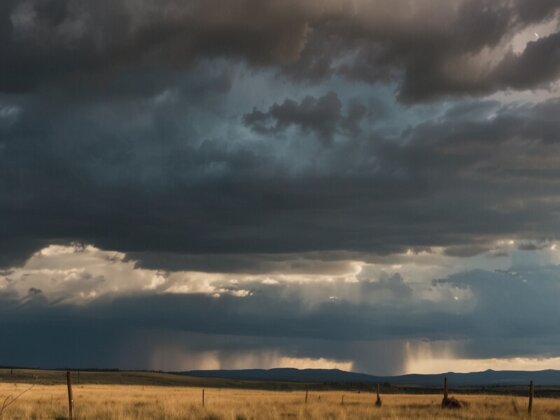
170	402
153	395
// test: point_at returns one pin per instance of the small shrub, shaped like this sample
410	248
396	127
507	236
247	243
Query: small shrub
451	402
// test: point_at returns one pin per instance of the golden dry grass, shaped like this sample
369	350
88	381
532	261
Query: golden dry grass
153	402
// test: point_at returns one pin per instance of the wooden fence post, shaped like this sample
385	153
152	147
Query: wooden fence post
378	402
342	400
70	396
306	394
531	392
449	402
203	397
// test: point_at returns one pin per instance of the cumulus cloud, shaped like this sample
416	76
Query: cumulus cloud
79	274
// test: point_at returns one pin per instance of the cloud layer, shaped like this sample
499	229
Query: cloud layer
479	172
441	48
369	316
236	183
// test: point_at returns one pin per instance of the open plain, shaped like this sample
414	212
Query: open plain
141	396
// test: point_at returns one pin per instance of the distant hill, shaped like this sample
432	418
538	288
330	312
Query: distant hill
294	379
486	378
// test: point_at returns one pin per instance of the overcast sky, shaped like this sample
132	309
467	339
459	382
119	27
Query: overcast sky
372	185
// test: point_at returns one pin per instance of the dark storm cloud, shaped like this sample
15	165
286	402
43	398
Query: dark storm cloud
178	132
82	42
506	310
539	63
434	52
298	320
14	251
144	183
537	66
532	246
327	263
465	250
321	115
427	50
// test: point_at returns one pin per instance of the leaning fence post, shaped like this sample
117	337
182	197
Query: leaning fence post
70	397
378	402
531	392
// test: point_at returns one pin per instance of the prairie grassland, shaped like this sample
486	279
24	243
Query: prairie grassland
154	402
